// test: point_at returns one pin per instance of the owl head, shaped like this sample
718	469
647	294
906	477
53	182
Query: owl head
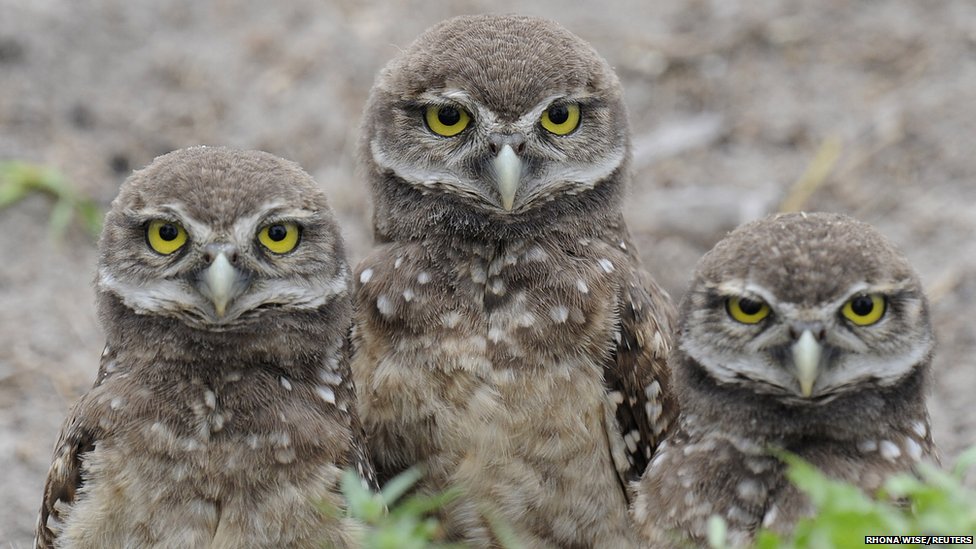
488	122
805	308
219	241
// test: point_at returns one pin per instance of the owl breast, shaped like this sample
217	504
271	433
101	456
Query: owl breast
227	469
495	356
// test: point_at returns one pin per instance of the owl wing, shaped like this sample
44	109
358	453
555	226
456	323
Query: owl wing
77	438
64	477
637	376
359	456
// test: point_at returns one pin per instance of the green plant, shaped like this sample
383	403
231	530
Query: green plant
392	520
931	503
21	179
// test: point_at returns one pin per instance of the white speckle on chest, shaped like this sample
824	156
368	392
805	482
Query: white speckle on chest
559	314
384	305
326	393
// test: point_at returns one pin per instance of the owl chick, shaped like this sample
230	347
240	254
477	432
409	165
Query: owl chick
802	332
223	413
507	340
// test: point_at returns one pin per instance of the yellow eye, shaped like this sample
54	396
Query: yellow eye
280	238
561	118
864	310
446	120
746	311
165	237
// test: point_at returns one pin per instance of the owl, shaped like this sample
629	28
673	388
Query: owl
801	332
223	413
507	340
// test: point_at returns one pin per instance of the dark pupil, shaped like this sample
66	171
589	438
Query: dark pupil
749	306
277	232
168	232
862	305
448	116
558	114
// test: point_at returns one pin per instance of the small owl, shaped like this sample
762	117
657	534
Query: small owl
802	332
223	413
507	340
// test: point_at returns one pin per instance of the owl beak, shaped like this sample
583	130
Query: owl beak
221	283
806	358
508	173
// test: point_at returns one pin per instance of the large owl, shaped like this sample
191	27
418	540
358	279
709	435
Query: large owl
802	332
507	340
223	413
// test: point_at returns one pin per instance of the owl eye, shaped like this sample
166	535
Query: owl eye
864	310
446	120
165	237
745	310
561	118
279	238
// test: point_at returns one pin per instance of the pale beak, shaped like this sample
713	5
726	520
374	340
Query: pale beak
221	283
508	173
806	358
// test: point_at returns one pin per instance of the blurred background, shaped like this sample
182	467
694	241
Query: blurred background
738	109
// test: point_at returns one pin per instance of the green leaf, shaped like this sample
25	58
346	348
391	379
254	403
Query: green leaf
399	485
717	532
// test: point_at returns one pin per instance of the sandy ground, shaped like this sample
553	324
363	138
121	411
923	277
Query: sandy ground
731	103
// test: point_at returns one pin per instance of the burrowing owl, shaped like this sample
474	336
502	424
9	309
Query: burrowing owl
803	332
223	413
506	338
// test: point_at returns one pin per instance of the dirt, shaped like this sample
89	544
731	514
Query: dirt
869	105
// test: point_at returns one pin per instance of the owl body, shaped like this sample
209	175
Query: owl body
798	368
505	380
223	413
507	341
